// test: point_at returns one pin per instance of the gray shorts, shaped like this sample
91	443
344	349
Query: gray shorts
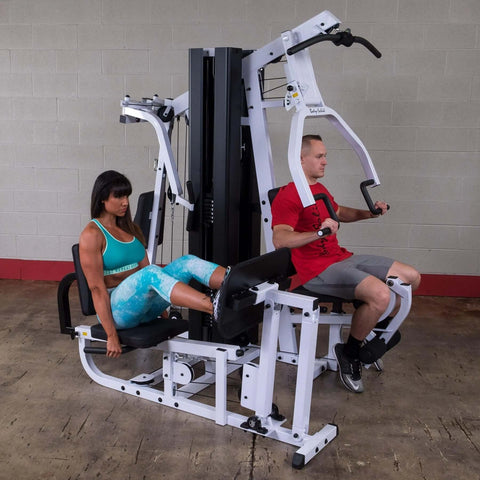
341	279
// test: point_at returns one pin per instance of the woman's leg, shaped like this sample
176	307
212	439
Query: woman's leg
184	295
135	301
147	293
190	267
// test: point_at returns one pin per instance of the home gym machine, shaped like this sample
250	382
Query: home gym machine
231	175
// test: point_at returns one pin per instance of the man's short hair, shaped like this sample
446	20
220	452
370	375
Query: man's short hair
308	139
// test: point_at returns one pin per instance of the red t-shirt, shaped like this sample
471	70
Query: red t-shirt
313	258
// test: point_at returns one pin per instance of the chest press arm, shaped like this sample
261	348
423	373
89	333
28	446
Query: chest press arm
303	94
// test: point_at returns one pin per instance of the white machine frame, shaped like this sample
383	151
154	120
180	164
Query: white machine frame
180	355
282	310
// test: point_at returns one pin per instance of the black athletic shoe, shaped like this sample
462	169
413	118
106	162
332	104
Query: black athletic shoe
350	370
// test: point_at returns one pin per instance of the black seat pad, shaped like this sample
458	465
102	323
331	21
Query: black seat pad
147	334
321	297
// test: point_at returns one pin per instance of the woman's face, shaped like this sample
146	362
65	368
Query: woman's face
116	205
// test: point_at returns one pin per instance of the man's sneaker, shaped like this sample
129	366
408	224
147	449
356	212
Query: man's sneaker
350	370
217	298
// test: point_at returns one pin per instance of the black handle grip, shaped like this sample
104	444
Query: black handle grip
368	45
308	43
326	200
328	204
324	231
368	199
103	350
341	38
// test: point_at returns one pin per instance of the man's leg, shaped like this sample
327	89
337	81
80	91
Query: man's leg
406	273
372	351
375	296
361	277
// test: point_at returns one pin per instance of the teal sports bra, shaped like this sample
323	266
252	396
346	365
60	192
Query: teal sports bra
120	256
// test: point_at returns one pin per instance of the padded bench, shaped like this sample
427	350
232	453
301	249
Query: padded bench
144	336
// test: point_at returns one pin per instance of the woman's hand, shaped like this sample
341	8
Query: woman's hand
114	349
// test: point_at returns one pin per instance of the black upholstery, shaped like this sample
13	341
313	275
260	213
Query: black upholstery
143	215
147	334
144	212
86	302
238	313
337	302
272	194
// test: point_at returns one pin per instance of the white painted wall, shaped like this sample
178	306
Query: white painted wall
66	64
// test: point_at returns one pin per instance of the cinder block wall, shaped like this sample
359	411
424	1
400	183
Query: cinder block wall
66	64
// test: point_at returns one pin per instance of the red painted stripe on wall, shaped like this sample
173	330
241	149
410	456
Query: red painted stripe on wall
34	269
449	285
432	284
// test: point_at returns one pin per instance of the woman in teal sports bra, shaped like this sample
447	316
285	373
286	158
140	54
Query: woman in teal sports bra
126	289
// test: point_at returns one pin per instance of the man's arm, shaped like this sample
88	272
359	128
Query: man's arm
286	236
348	214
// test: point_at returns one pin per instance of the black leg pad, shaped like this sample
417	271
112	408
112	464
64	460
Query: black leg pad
396	337
376	348
372	350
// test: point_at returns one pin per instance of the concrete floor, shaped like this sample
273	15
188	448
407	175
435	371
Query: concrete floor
419	419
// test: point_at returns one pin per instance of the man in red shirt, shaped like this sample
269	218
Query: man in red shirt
325	267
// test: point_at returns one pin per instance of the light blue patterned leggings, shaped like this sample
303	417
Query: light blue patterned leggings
143	296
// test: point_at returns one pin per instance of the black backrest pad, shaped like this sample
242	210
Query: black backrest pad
273	266
272	194
144	212
86	302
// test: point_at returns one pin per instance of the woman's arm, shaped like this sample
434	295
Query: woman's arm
91	243
145	262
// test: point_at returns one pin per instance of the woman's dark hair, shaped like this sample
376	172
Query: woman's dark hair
112	182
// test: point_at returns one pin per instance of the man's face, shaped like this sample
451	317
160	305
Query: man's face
314	161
